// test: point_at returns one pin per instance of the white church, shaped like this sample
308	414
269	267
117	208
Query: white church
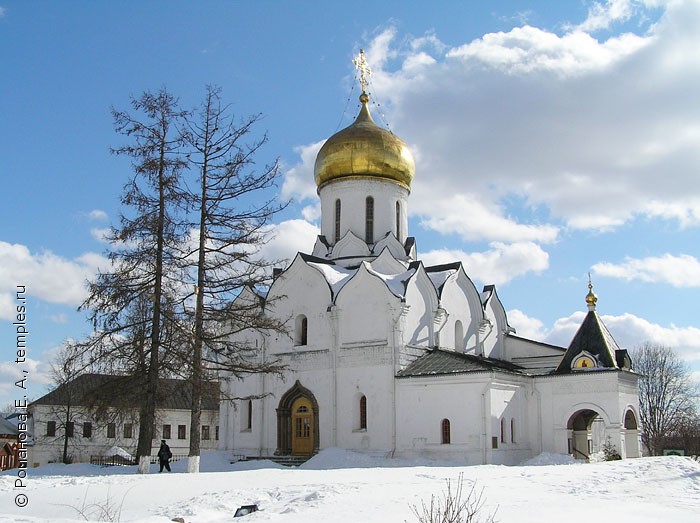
387	355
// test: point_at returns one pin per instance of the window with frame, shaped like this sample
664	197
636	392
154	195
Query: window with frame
50	428
301	330
446	437
128	430
249	421
369	220
111	430
87	429
181	431
336	232
459	336
216	433
398	221
363	412
512	430
167	433
205	432
70	429
503	430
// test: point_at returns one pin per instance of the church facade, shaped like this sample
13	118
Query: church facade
387	355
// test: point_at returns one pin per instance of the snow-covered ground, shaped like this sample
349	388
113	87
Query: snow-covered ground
341	486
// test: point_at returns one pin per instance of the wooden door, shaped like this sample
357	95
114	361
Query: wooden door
302	427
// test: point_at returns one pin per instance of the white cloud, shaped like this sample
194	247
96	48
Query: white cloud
100	233
630	331
299	179
602	16
525	326
680	271
59	318
596	132
38	375
46	275
98	215
472	217
8	306
289	237
499	265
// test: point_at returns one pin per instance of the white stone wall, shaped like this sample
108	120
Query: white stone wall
352	193
50	448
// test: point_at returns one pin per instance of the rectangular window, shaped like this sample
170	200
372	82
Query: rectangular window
216	433
50	428
128	431
494	442
205	432
512	430
87	429
166	432
181	432
111	430
70	429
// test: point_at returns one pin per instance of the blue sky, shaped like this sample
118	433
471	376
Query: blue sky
551	140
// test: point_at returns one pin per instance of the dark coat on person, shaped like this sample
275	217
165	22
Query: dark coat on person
164	453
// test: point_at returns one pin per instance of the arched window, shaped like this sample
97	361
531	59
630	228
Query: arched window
363	412
503	430
369	220
398	221
459	336
337	221
445	432
301	330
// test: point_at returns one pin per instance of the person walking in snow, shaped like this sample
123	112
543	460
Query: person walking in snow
164	456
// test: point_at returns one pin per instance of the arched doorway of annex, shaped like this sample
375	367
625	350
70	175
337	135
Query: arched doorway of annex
297	422
586	429
631	434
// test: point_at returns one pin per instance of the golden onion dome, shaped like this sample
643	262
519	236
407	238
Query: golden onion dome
364	150
591	298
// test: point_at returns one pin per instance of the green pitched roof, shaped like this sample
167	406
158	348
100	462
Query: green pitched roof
594	338
442	362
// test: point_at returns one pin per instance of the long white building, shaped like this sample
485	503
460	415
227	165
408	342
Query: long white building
388	355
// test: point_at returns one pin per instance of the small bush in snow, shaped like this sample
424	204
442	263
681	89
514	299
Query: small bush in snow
453	507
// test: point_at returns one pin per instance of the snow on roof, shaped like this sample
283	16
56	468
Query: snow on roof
335	275
395	282
440	277
338	276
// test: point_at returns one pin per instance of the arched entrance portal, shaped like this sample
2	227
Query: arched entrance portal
586	431
297	422
631	435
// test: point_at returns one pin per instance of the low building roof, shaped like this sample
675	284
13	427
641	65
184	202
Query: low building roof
7	428
108	390
441	362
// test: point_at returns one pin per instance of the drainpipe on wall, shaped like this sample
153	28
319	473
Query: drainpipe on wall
402	312
333	317
263	428
484	426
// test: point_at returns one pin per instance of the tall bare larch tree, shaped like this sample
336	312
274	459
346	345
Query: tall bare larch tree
233	207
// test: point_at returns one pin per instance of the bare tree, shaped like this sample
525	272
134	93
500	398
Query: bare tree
64	369
233	206
666	394
144	267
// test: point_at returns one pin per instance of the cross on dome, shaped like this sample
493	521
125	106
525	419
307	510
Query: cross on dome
365	72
